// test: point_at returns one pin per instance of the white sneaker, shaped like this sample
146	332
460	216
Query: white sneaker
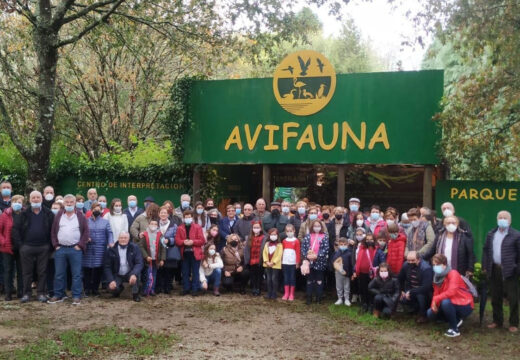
347	303
354	299
339	302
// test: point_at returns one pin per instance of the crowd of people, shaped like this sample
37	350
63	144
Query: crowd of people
386	261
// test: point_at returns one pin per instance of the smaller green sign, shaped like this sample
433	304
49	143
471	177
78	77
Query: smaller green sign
479	202
122	188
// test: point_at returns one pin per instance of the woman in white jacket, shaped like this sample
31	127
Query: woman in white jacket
117	219
210	270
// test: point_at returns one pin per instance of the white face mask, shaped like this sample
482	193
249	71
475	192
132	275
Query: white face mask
290	234
152	228
317	229
359	223
390	222
451	228
117	209
49	197
256	231
447	212
211	252
273	237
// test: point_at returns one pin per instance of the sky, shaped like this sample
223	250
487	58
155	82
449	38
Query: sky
385	28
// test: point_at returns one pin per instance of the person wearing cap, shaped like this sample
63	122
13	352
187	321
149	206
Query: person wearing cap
354	206
148	200
277	220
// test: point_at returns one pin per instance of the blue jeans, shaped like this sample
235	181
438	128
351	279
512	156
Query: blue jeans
289	275
214	278
418	302
450	313
154	276
190	267
72	257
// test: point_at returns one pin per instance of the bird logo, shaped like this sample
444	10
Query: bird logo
304	82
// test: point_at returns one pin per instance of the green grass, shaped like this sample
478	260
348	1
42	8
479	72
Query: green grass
96	343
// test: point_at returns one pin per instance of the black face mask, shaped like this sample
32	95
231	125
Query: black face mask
338	216
234	243
96	213
275	212
326	216
213	220
294	212
370	243
208	208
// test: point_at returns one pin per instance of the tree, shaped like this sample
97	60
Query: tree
30	74
478	43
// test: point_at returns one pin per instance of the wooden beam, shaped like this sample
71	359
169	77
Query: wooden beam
196	184
427	186
340	200
266	184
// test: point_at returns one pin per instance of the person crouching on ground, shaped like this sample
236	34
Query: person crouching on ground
343	269
452	301
153	253
272	261
211	269
385	290
233	258
123	263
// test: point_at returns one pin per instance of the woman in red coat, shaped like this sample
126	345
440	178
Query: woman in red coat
396	244
452	300
190	240
9	251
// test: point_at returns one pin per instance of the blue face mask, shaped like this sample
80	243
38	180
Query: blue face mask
185	204
6	192
55	211
374	216
313	217
188	221
438	269
36	205
353	208
69	208
80	205
393	236
132	203
200	211
406	226
16	206
301	210
343	247
503	223
238	211
103	204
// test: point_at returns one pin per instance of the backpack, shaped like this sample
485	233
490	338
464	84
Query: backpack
471	288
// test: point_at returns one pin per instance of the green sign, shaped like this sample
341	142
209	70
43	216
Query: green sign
479	202
373	118
122	188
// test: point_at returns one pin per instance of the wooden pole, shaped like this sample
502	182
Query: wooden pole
340	200
427	186
196	184
266	183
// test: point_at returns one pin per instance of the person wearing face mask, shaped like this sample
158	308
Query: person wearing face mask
420	236
452	301
272	262
213	237
80	203
32	231
91	197
389	218
415	281
354	206
100	236
185	205
396	243
132	211
234	264
225	225
315	251
306	226
210	205
238	210
210	272
343	266
5	201
190	240
117	219
200	216
48	196
290	262
375	221
325	214
242	226
9	251
364	270
385	291
286	209
141	223
171	264
154	255
457	245
500	265
254	244
447	209
300	217
359	222
70	235
405	222
102	202
381	248
123	263
278	220
337	228
213	216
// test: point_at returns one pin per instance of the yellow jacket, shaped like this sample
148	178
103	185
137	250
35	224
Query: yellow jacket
277	256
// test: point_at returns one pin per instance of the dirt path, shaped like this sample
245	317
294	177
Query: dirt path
232	327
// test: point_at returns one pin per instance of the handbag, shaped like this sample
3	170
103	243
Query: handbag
372	272
173	253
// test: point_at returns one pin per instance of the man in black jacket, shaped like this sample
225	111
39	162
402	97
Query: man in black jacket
123	263
501	264
32	232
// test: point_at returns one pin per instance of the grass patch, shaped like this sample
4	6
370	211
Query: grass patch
96	343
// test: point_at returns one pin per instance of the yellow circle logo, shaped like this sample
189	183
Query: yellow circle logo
304	82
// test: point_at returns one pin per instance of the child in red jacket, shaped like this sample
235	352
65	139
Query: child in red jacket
395	249
364	269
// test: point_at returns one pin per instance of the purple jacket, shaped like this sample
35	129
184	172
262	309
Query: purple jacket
83	229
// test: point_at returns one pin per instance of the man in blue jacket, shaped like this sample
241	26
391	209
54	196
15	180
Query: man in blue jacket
415	279
123	263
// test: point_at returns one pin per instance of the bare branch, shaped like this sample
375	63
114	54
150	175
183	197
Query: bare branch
7	122
86	10
60	12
